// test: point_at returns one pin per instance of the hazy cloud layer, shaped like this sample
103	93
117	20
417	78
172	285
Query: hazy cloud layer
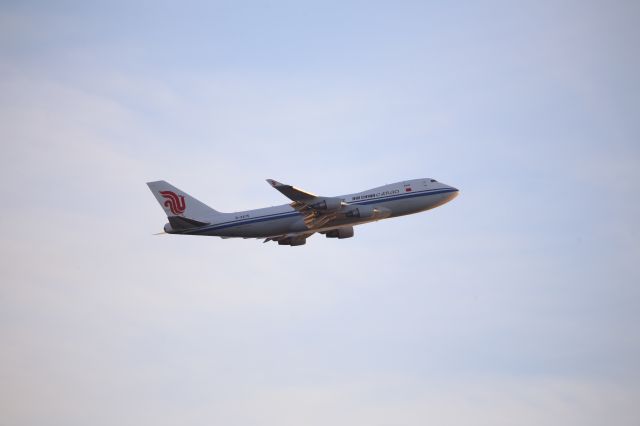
515	304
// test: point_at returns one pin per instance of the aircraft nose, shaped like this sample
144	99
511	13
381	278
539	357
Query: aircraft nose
454	193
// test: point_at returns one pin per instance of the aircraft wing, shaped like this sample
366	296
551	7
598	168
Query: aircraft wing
291	192
317	211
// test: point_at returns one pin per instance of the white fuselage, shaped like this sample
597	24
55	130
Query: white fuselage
392	200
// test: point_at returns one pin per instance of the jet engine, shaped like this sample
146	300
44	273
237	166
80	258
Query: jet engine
361	211
293	242
333	203
345	232
368	212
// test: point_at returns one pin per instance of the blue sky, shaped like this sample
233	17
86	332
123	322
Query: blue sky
517	303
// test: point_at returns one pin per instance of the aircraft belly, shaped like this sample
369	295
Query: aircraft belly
276	227
415	205
266	228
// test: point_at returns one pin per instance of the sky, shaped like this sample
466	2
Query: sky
516	303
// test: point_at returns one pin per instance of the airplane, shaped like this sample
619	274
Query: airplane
291	224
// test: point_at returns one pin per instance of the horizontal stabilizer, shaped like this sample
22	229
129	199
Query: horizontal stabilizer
181	223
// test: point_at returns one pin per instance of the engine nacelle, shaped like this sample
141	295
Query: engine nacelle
345	232
361	212
332	203
293	242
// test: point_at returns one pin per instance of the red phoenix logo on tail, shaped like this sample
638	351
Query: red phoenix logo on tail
175	204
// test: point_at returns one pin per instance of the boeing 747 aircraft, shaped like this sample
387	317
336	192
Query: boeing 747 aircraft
291	224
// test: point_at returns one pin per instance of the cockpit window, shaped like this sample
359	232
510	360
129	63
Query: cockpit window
433	180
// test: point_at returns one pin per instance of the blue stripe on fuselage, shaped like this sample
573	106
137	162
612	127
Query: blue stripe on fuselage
282	215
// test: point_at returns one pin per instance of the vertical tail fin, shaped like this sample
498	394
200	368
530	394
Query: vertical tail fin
177	203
